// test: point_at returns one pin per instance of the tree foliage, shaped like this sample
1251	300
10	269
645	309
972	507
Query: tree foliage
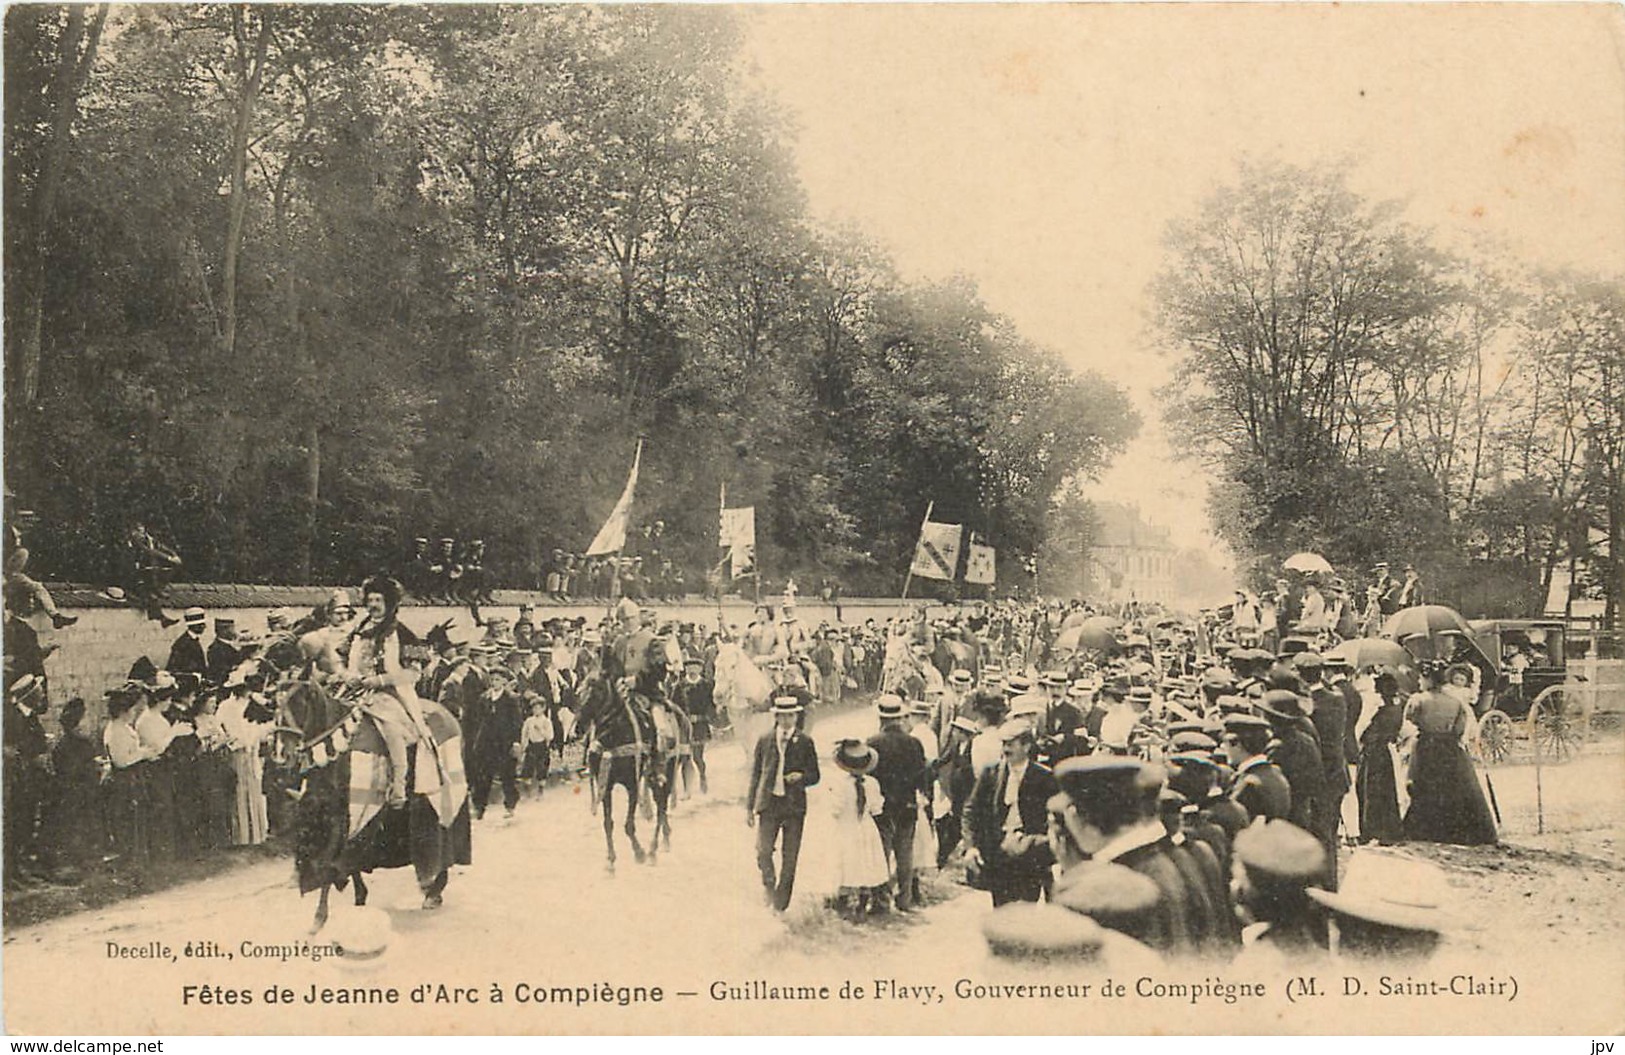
318	279
1362	393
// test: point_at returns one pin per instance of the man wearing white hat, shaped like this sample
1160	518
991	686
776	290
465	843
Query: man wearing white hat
900	774
186	655
1006	820
783	766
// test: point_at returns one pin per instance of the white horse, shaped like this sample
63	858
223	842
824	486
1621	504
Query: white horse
744	691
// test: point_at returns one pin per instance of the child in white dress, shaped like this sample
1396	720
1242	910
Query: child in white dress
860	858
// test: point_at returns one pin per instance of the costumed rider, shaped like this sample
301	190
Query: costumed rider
375	666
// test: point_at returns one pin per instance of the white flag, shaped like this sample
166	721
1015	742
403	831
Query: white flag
979	564
611	538
938	552
739	527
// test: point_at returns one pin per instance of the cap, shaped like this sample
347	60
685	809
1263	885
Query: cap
1026	931
1281	849
1281	703
1109	893
1237	723
1193	741
1087	774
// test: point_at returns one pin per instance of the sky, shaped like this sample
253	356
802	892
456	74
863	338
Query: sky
1043	149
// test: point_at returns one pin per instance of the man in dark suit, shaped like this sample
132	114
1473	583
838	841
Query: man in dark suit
1107	813
557	688
1260	787
223	654
695	694
186	655
496	738
26	774
901	774
1330	718
1007	820
1297	752
783	766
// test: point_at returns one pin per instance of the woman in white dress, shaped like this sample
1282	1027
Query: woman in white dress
244	736
861	873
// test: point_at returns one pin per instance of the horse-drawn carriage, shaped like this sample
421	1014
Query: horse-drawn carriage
1528	690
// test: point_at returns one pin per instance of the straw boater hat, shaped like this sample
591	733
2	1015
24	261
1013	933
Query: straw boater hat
855	756
889	705
1391	891
786	705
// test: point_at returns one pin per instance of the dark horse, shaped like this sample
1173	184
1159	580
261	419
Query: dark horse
342	829
622	733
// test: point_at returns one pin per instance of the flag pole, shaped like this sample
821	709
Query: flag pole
908	578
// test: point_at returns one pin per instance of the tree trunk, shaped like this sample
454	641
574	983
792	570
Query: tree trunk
313	494
73	69
249	76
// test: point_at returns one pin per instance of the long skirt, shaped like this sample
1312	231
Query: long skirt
860	859
1378	794
129	816
248	816
1447	802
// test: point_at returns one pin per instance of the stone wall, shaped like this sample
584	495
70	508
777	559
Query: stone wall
96	653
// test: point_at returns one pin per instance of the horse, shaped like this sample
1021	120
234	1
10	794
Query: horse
673	752
743	691
622	734
955	652
341	770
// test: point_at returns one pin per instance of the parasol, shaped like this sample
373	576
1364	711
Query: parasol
1307	563
1365	652
1076	619
1098	632
1425	620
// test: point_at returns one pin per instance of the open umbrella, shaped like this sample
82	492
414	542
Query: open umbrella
1363	653
1099	632
1076	619
1307	563
1425	620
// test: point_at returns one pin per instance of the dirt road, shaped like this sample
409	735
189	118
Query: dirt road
537	911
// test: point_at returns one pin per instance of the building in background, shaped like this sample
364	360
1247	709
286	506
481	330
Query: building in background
1130	559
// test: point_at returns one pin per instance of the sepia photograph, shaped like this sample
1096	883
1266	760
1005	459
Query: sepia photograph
813	519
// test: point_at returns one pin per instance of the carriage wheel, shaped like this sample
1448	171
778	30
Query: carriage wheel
1556	725
1495	737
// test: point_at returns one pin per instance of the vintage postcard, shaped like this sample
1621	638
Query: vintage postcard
796	519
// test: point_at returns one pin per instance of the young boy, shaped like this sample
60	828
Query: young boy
535	739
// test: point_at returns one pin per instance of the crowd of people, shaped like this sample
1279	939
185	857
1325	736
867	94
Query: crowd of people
1183	791
1181	785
